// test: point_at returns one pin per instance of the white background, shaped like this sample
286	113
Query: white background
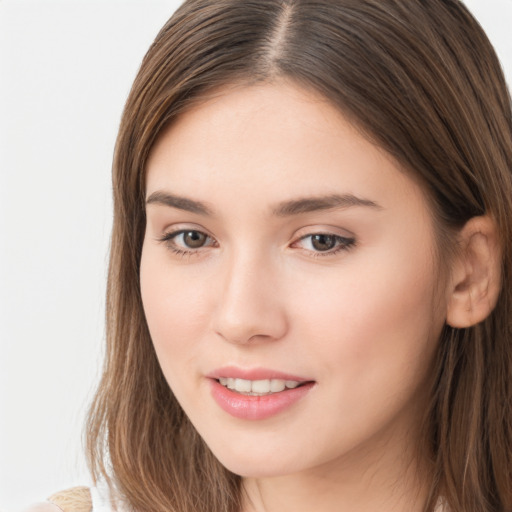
65	70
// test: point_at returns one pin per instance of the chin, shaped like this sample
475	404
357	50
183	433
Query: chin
254	469
251	462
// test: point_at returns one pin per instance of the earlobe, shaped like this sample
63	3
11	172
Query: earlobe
475	274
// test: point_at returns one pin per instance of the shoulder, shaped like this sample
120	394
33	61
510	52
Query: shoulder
43	507
77	499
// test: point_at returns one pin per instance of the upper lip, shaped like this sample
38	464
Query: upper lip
253	374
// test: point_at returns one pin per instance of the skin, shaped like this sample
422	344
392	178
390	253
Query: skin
361	320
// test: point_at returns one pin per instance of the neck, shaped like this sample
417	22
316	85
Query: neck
379	480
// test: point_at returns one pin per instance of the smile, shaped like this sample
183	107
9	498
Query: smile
257	394
257	387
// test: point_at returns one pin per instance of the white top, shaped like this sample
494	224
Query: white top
102	502
101	499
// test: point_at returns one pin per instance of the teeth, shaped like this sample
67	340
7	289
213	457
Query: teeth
280	385
258	387
243	386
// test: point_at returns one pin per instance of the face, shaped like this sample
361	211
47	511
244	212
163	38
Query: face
289	259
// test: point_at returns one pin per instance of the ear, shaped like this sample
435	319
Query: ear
475	274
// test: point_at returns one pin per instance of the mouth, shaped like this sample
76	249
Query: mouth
263	387
257	394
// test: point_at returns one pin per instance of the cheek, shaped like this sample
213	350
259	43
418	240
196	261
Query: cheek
176	312
376	319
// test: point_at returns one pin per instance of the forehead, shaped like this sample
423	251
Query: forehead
269	143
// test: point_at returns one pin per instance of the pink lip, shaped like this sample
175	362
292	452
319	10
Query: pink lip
253	374
249	407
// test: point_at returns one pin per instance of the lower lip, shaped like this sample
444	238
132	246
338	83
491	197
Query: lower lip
249	407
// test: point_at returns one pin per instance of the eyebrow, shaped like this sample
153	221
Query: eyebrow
283	209
181	203
330	202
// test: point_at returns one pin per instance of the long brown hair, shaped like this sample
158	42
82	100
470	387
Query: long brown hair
422	81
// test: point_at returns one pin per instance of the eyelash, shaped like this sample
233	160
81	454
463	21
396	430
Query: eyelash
168	239
342	243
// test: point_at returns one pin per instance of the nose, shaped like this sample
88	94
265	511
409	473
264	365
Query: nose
250	307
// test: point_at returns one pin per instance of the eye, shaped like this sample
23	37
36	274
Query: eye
191	239
187	241
325	243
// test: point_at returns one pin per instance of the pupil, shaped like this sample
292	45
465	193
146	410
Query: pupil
194	239
323	242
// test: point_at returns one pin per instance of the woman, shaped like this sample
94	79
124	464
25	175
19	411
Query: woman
309	302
